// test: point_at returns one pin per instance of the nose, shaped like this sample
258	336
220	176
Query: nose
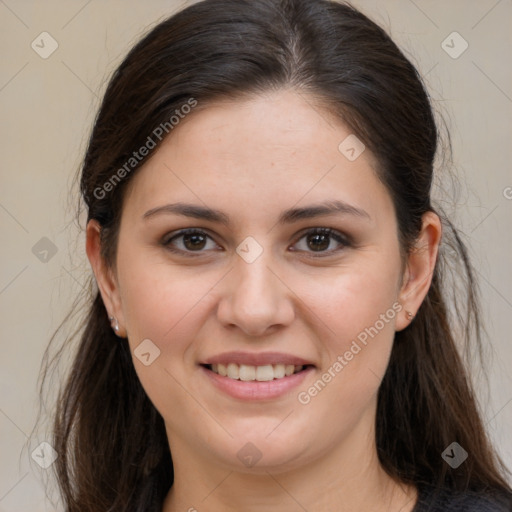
254	299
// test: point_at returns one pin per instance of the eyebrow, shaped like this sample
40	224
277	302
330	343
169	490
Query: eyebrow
287	217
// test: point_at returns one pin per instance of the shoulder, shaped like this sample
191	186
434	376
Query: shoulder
448	500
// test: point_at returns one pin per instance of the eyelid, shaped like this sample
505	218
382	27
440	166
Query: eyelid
184	231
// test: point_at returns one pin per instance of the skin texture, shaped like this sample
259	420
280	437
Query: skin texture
253	159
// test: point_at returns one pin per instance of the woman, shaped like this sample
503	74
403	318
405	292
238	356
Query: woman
270	329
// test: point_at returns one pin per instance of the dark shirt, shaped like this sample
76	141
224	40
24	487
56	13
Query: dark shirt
447	500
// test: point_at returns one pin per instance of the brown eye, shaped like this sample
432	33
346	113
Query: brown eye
322	240
194	242
189	240
318	242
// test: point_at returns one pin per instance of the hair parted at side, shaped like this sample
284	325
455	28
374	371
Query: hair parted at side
112	444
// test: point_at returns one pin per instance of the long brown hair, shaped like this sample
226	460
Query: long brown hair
111	441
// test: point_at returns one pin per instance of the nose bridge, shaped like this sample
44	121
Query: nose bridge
255	279
254	299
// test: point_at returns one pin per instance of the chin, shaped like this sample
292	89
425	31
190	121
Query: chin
259	451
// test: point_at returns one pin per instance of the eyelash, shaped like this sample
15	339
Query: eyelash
333	234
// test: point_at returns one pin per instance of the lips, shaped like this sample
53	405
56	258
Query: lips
253	376
256	390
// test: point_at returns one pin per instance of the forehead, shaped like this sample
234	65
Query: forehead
275	149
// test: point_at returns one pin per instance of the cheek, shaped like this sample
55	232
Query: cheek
356	310
351	299
167	306
159	301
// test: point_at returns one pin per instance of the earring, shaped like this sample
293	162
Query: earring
410	316
114	323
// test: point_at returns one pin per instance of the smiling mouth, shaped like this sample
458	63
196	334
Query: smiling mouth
249	373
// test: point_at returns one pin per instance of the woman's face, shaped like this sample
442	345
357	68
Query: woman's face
290	258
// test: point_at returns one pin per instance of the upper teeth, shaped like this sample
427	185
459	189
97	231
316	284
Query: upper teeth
260	373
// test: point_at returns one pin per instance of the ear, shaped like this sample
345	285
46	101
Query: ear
419	268
105	276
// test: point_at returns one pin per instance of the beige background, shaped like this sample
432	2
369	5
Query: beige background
47	107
